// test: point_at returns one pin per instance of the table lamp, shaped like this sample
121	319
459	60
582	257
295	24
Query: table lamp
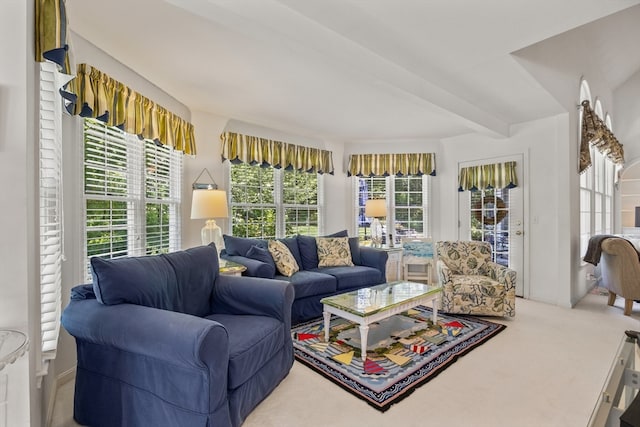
376	208
208	203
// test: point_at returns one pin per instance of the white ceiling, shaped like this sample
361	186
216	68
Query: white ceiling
352	70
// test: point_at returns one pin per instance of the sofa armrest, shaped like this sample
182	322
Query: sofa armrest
136	335
255	268
444	273
161	334
372	257
253	296
502	274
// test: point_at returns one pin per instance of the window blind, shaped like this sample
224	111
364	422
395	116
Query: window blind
50	209
132	191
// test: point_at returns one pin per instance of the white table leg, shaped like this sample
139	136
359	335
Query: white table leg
434	308
364	333
327	324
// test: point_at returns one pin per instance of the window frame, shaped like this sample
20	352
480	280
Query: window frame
278	204
133	194
389	194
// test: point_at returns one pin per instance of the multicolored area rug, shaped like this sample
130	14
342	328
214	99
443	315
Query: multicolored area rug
403	352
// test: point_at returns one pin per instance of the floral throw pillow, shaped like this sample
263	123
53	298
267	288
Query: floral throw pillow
333	251
282	256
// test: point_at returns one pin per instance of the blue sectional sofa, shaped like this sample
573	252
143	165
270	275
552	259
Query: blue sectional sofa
311	283
166	341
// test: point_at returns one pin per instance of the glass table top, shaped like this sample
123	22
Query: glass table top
13	344
367	301
227	266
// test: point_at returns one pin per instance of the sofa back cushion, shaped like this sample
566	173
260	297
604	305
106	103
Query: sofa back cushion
465	257
180	281
309	249
333	252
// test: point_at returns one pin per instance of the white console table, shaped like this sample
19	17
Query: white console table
620	387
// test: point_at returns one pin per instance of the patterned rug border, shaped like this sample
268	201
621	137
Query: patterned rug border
407	385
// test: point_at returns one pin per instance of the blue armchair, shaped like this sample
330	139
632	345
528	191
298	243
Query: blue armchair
165	340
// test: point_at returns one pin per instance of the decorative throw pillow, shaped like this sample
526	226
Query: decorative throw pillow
261	254
284	260
241	245
333	252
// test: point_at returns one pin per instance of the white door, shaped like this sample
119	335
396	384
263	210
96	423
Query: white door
496	216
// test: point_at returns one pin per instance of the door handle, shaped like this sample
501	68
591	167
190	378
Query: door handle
519	233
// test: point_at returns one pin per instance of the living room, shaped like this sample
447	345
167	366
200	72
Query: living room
556	61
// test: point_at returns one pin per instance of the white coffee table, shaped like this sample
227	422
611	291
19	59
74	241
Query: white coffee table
368	305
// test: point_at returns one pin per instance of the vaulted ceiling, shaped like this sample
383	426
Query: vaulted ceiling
355	70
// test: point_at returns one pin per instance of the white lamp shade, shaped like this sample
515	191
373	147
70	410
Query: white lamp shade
209	204
375	208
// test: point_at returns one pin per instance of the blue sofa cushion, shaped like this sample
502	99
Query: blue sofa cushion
180	281
310	283
353	277
253	341
268	270
241	245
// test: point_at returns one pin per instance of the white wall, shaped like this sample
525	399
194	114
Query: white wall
559	63
626	120
538	143
17	164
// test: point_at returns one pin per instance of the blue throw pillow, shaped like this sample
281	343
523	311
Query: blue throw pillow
241	245
268	271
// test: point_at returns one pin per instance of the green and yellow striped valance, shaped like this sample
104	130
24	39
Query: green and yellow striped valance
106	99
486	177
51	35
392	164
253	150
595	132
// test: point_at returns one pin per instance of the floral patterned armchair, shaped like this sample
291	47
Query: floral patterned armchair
472	283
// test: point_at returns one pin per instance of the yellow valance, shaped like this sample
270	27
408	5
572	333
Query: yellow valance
51	34
485	177
253	150
392	164
595	132
106	99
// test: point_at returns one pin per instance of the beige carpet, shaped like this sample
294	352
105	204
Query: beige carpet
546	369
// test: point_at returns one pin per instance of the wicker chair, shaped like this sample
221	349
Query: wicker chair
620	269
471	282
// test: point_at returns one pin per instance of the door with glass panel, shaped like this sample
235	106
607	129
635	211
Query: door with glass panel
495	215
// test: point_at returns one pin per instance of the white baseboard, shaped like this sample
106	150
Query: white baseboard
62	379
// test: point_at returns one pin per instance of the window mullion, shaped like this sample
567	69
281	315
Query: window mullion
278	176
135	210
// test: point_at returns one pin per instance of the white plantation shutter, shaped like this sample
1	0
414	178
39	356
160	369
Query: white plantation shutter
132	193
50	196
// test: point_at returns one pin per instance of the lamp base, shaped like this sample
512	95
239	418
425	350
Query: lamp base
211	232
376	233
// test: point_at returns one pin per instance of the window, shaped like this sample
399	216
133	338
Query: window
596	186
269	203
408	200
132	193
50	210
